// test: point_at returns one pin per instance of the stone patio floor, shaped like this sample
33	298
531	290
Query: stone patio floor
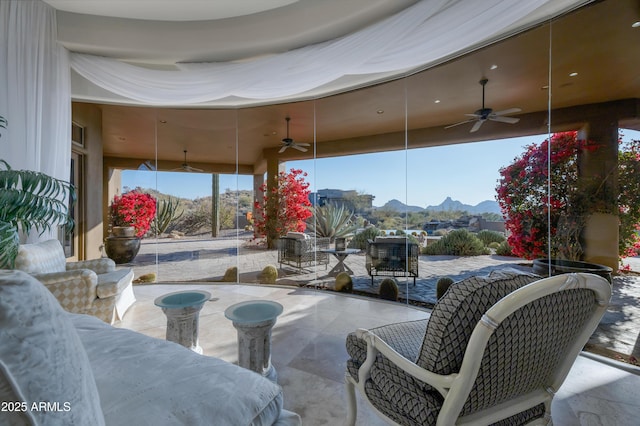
200	260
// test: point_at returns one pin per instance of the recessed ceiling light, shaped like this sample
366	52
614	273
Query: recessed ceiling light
573	74
437	101
380	111
163	121
544	88
493	67
636	24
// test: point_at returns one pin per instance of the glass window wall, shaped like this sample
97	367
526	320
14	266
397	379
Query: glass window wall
444	173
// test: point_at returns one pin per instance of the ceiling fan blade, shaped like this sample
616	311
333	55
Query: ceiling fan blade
476	126
302	144
510	120
299	148
283	148
473	115
461	122
507	111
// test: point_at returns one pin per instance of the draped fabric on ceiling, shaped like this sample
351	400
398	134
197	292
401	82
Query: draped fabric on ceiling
425	33
35	91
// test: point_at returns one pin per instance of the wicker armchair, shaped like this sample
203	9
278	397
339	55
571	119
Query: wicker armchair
301	251
93	287
392	256
494	351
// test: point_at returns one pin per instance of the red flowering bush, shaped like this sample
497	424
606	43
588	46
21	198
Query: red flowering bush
135	209
528	210
289	199
629	199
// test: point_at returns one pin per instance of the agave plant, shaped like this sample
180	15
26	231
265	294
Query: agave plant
331	221
30	200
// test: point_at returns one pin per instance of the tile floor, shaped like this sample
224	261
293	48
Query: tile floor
309	355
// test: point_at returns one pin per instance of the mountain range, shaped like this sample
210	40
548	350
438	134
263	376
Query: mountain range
448	204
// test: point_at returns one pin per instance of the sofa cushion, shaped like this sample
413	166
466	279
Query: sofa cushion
41	258
297	235
41	358
391	240
148	381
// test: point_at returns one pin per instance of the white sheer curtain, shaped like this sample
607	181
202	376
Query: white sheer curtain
424	33
35	89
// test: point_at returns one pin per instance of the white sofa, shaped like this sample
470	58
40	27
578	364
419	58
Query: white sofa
92	287
59	368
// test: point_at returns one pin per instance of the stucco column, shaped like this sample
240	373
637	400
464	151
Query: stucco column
600	235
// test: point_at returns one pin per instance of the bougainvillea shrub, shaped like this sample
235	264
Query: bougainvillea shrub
289	199
135	209
533	205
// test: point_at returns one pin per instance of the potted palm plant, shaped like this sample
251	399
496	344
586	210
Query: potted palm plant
29	201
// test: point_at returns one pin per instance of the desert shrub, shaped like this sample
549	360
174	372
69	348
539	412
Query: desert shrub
494	245
487	237
504	249
440	232
442	286
457	243
231	275
146	278
196	221
344	283
269	275
226	216
359	240
388	289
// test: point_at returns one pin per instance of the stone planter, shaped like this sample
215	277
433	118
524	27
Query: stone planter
560	266
122	249
123	231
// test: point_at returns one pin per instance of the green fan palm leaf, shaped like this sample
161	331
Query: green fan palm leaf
30	200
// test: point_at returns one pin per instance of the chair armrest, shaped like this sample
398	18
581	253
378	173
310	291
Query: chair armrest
112	283
99	266
376	345
75	290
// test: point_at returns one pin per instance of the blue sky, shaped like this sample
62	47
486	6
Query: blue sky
421	177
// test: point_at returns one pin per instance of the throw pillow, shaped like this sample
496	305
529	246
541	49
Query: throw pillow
44	371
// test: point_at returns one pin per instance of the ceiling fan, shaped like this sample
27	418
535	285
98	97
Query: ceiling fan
185	167
290	143
484	114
